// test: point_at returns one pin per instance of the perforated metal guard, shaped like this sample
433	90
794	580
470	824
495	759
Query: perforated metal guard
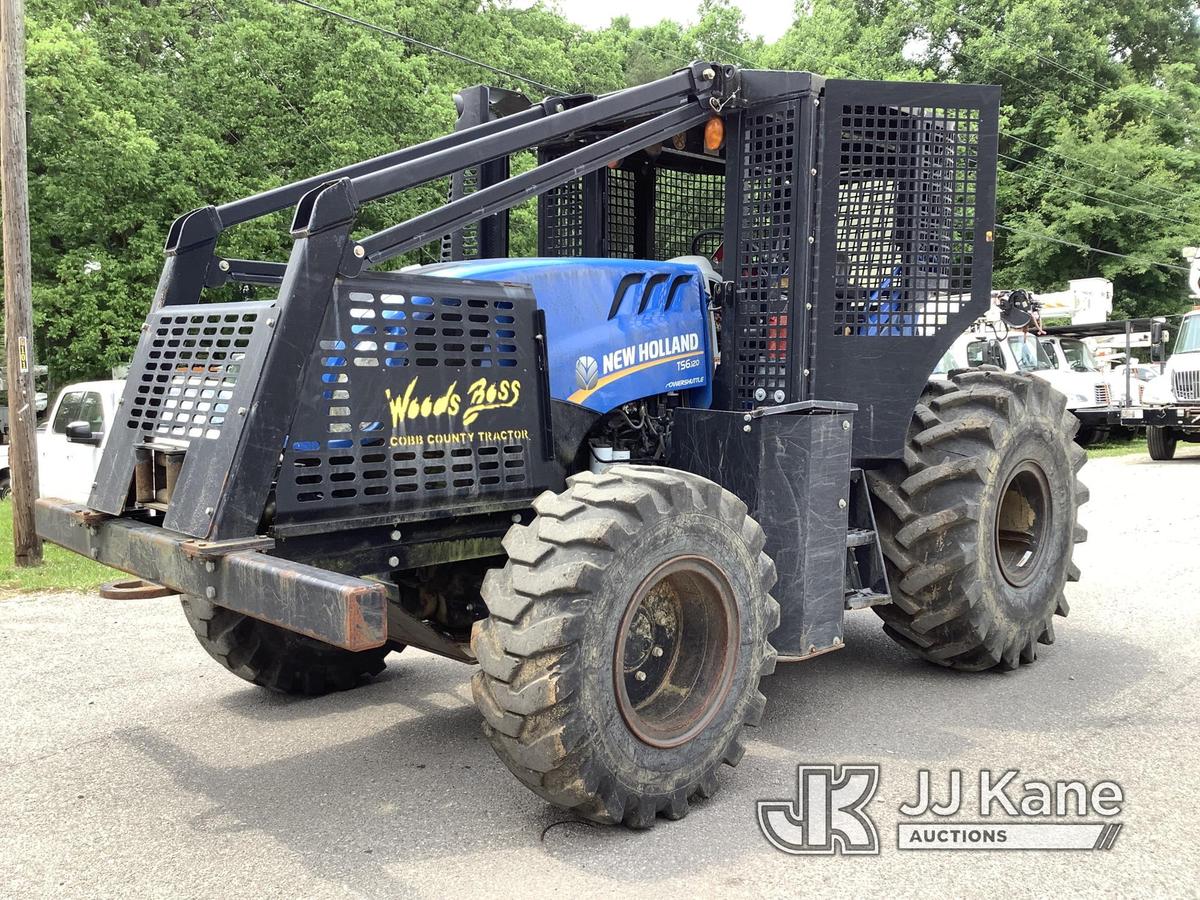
686	203
422	392
905	218
763	255
903	242
186	388
191	384
622	212
560	220
463	183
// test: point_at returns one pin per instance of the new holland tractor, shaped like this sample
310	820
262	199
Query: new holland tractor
623	478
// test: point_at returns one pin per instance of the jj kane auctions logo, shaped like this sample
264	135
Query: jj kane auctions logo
829	813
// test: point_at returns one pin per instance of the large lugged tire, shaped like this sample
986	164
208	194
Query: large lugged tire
626	638
275	658
979	520
1161	442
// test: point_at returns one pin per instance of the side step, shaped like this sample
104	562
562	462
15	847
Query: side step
866	578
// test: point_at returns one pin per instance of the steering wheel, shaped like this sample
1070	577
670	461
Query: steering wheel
705	234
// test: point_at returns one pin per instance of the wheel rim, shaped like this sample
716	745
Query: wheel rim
676	651
1023	523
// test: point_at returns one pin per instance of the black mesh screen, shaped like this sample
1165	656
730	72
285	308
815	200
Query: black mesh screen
763	259
560	220
905	218
686	204
621	213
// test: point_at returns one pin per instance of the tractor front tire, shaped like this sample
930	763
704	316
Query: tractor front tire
278	659
626	638
1161	442
979	520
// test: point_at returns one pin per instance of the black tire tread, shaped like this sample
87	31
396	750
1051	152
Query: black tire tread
927	519
1161	443
276	659
537	605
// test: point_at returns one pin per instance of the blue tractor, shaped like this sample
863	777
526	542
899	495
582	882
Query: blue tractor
625	477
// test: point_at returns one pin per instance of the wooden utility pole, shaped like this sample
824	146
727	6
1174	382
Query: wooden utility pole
18	305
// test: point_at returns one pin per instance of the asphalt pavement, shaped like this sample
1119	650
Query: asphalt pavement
132	765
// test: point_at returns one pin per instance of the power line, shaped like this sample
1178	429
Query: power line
1146	213
1110	172
427	46
1045	237
282	96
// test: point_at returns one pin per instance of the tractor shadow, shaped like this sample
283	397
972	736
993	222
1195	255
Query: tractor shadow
381	809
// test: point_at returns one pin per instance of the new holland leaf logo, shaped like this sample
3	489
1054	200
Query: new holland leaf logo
587	373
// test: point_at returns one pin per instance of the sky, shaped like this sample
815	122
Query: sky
768	18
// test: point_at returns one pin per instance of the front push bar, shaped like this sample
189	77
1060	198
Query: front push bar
338	609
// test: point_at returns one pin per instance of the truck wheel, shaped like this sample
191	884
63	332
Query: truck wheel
978	521
1161	442
1087	435
275	658
626	638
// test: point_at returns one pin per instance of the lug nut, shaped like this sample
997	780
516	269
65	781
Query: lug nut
639	675
657	651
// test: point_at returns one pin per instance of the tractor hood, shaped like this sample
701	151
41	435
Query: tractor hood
617	330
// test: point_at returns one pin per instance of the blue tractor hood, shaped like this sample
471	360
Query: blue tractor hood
617	330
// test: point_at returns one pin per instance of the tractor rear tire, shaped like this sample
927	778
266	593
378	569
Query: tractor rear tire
979	519
278	659
626	638
1161	442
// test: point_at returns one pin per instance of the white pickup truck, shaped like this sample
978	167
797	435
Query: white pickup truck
70	441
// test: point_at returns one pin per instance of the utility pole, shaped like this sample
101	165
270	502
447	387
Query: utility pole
18	305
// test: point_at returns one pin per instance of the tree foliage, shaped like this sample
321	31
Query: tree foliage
143	109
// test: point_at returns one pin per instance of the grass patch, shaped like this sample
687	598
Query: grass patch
1119	448
61	570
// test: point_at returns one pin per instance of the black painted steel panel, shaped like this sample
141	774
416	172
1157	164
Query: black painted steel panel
793	472
421	393
903	243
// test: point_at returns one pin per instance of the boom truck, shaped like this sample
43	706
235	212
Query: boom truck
623	486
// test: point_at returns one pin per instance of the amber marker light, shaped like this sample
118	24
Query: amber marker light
714	134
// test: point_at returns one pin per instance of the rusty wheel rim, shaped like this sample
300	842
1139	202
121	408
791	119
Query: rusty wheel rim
1024	520
676	651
